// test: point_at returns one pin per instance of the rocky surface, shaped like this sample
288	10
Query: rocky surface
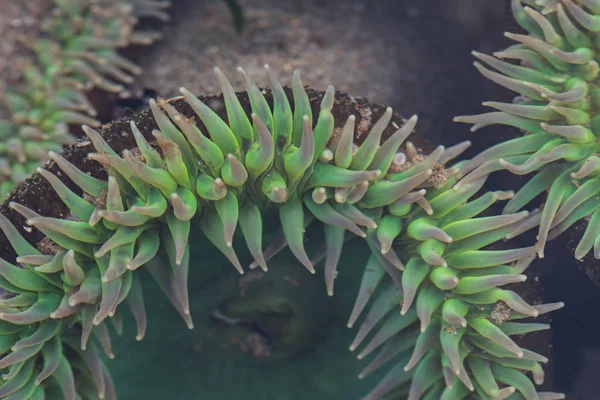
413	55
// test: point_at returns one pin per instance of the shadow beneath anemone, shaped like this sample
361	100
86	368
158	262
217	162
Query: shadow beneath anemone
274	335
576	329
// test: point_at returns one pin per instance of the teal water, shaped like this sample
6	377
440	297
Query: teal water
208	362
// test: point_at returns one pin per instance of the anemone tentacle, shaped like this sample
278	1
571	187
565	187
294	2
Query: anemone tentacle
556	78
437	307
450	297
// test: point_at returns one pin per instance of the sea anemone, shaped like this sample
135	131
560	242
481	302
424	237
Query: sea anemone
268	162
76	52
556	108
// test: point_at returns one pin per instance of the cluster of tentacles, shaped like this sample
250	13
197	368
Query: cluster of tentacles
436	309
76	52
556	78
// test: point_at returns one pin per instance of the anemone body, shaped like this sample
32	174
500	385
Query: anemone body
76	51
243	167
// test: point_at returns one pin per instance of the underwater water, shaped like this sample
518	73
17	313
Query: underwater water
291	343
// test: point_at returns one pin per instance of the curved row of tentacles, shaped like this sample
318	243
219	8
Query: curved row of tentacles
444	323
557	81
76	52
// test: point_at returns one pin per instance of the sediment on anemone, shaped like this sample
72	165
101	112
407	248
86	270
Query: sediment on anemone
246	166
555	76
76	52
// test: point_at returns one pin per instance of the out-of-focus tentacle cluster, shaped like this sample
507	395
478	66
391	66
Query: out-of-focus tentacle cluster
438	310
556	77
76	51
